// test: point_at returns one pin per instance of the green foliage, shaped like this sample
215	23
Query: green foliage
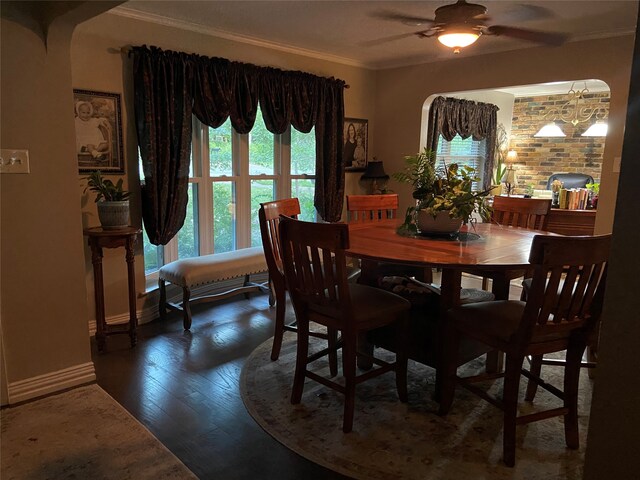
447	188
594	188
500	155
529	190
105	189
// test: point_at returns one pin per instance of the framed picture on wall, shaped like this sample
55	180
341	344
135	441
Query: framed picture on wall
355	144
98	123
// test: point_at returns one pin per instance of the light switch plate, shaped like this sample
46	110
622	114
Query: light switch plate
14	160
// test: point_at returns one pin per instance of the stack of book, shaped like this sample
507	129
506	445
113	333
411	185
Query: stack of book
574	199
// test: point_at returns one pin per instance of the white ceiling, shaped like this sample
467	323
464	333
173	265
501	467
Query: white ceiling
351	32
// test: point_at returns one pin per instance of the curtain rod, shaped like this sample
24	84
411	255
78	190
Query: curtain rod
127	49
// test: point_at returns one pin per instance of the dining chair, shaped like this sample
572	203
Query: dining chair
530	213
269	217
373	208
313	256
561	312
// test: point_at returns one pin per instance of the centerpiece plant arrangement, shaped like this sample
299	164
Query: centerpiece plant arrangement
444	195
112	201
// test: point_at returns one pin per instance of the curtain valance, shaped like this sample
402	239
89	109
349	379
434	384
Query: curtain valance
171	86
454	116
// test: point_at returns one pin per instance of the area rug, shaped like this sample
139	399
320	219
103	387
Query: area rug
82	433
392	440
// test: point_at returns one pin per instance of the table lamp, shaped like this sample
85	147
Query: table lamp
375	173
510	180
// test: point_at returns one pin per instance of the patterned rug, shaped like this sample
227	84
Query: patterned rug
82	433
391	440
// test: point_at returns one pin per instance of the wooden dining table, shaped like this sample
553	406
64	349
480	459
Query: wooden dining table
495	251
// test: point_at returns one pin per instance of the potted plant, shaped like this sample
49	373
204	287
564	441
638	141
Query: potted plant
444	196
112	201
594	193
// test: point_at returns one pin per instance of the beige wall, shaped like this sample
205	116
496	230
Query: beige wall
96	67
402	92
43	309
43	312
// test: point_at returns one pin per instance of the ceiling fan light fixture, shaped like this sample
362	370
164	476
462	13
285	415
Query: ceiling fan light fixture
454	38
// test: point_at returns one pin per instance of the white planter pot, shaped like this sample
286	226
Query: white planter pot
113	215
441	224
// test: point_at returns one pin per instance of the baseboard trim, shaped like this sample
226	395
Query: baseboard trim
51	382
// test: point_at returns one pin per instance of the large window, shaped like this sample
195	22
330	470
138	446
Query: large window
466	151
230	175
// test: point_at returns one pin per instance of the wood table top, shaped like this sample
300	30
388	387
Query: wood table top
494	247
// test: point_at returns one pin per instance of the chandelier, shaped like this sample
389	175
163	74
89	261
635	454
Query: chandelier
574	111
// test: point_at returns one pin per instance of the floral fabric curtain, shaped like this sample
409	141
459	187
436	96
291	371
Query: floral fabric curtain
170	86
454	116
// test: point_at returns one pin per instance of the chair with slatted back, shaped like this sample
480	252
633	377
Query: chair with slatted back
561	312
531	213
373	208
314	261
269	218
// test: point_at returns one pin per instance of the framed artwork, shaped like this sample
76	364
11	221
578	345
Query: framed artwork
98	121
355	144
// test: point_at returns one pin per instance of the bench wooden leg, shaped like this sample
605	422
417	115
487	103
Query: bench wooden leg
186	309
246	283
162	304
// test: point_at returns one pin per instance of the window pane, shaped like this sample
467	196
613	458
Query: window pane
224	217
261	143
152	254
188	245
466	151
303	190
220	150
261	191
303	152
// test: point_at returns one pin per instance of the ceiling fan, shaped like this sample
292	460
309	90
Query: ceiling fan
460	24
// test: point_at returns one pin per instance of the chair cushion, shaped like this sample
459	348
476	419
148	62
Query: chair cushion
370	304
488	321
425	295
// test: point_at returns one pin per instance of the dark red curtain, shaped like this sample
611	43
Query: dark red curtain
454	116
163	86
170	86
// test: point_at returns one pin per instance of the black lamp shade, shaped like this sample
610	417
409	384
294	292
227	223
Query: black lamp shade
374	170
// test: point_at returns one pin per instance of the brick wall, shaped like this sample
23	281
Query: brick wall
539	158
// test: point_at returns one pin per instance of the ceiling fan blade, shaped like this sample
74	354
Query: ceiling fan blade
522	13
545	38
399	17
392	38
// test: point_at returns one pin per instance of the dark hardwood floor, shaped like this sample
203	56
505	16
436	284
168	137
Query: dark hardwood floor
183	386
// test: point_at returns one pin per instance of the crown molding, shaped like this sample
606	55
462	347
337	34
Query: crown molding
236	37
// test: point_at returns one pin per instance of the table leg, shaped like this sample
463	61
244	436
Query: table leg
495	358
449	297
131	277
98	293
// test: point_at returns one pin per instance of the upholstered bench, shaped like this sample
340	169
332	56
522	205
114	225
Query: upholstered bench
198	271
